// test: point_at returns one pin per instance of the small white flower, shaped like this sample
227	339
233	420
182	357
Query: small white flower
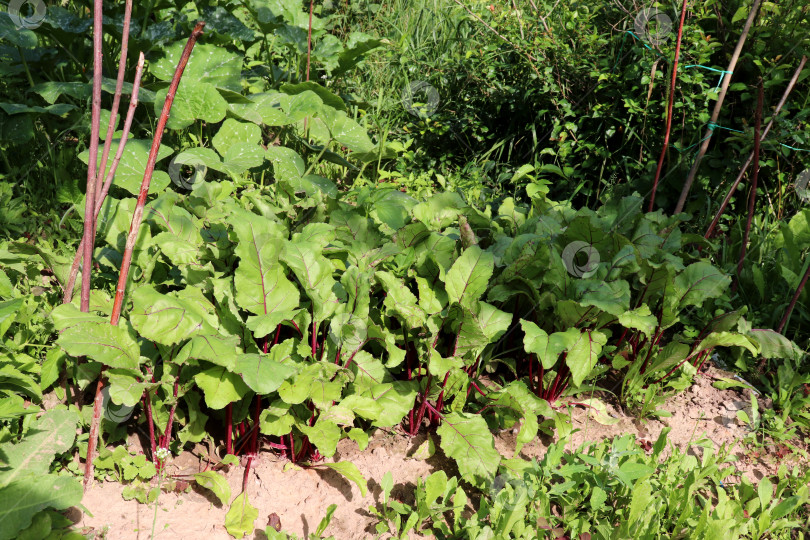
163	454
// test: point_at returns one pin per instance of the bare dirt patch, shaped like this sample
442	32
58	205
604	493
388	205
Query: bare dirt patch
300	497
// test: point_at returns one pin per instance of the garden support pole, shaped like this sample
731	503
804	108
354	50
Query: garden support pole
132	237
752	197
707	138
670	105
748	161
67	294
92	163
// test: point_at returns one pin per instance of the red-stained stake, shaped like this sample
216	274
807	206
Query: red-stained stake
137	217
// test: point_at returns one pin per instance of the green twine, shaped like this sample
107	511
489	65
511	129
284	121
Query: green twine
794	148
712	126
619	56
642	42
722	73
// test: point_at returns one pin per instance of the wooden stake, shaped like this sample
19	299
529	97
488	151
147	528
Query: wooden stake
690	178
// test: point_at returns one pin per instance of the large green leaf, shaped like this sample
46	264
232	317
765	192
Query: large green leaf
132	166
440	210
52	434
166	319
317	382
99	340
325	435
14	379
610	296
467	279
583	354
466	438
727	339
222	22
125	389
400	301
639	319
216	483
287	164
369	371
240	517
325	94
215	348
395	400
210	63
220	387
302	105
20	37
261	285
22	499
195	100
346	131
480	327
265	373
547	348
263	108
314	273
774	345
699	282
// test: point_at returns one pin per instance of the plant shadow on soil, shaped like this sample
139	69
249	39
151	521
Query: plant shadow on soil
301	496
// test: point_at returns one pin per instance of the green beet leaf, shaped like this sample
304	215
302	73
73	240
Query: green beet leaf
240	517
467	279
216	483
325	435
583	354
264	373
395	399
699	282
547	348
351	472
466	438
104	343
261	285
314	273
400	301
215	348
166	319
220	387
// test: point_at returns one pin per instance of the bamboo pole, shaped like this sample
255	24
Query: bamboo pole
752	197
739	178
670	105
690	178
132	237
67	294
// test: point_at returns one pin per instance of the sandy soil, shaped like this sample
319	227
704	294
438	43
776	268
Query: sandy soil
300	497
